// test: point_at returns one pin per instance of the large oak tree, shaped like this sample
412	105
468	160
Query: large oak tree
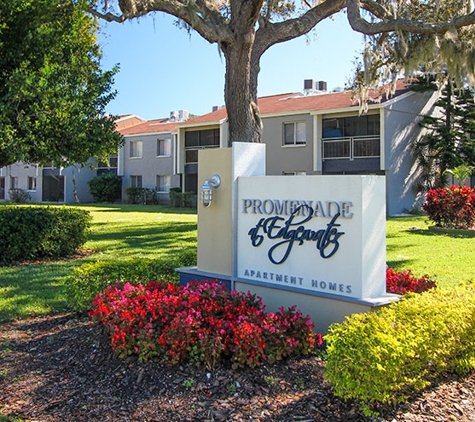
400	33
53	92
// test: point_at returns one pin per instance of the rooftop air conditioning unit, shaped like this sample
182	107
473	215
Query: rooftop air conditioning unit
183	115
173	116
321	86
309	85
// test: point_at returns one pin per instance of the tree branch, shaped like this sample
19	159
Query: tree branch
273	33
198	14
109	17
362	25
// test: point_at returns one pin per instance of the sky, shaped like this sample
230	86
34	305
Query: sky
164	68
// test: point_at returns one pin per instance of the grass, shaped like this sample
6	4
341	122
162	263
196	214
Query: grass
449	259
117	232
122	231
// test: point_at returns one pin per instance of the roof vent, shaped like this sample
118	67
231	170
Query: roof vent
216	108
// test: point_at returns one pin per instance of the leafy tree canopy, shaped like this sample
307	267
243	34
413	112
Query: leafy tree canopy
399	34
449	142
53	92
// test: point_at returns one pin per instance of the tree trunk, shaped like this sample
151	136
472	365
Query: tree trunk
243	116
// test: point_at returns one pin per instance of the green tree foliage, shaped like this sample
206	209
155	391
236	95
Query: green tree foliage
449	141
400	34
53	92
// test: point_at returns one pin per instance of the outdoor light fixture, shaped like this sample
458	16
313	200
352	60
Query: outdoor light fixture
207	190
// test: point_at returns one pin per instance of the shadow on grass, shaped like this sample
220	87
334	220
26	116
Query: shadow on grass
153	209
33	290
439	231
151	239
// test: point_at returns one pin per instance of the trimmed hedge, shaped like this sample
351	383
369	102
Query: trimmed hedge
92	278
41	232
381	357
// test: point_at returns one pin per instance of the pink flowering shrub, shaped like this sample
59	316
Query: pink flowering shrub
201	323
452	207
405	282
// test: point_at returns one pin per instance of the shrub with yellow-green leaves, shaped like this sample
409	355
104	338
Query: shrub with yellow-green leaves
381	357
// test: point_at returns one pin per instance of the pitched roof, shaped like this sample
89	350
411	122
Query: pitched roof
127	120
150	126
297	102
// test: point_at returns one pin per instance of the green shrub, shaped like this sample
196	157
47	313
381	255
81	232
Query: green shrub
105	188
41	232
91	278
143	196
179	199
19	196
380	357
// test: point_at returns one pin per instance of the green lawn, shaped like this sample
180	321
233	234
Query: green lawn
447	259
123	231
117	232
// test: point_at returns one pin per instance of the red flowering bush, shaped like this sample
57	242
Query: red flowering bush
451	207
202	323
405	282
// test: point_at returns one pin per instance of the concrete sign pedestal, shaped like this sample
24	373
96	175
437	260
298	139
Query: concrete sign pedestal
317	242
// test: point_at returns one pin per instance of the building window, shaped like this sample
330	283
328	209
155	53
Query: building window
13	182
31	183
164	148
136	149
163	183
343	127
351	137
295	133
2	188
136	181
111	163
202	138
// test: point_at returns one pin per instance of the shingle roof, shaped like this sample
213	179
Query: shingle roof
295	102
273	104
150	126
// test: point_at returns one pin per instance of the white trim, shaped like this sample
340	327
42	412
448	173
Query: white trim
382	137
210	123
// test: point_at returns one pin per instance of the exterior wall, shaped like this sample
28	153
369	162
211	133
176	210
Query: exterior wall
82	176
287	158
190	171
38	195
216	256
22	172
400	130
149	165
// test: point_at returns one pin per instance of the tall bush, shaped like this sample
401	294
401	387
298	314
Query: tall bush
105	187
381	357
451	207
38	232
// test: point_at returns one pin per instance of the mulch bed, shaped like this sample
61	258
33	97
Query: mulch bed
61	368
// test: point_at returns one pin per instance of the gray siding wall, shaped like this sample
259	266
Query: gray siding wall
23	172
280	158
82	175
149	165
400	130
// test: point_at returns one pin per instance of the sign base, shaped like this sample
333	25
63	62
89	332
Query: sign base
324	309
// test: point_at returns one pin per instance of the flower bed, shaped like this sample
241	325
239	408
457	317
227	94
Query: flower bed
200	323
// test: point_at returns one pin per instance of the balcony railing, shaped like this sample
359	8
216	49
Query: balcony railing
191	154
351	148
